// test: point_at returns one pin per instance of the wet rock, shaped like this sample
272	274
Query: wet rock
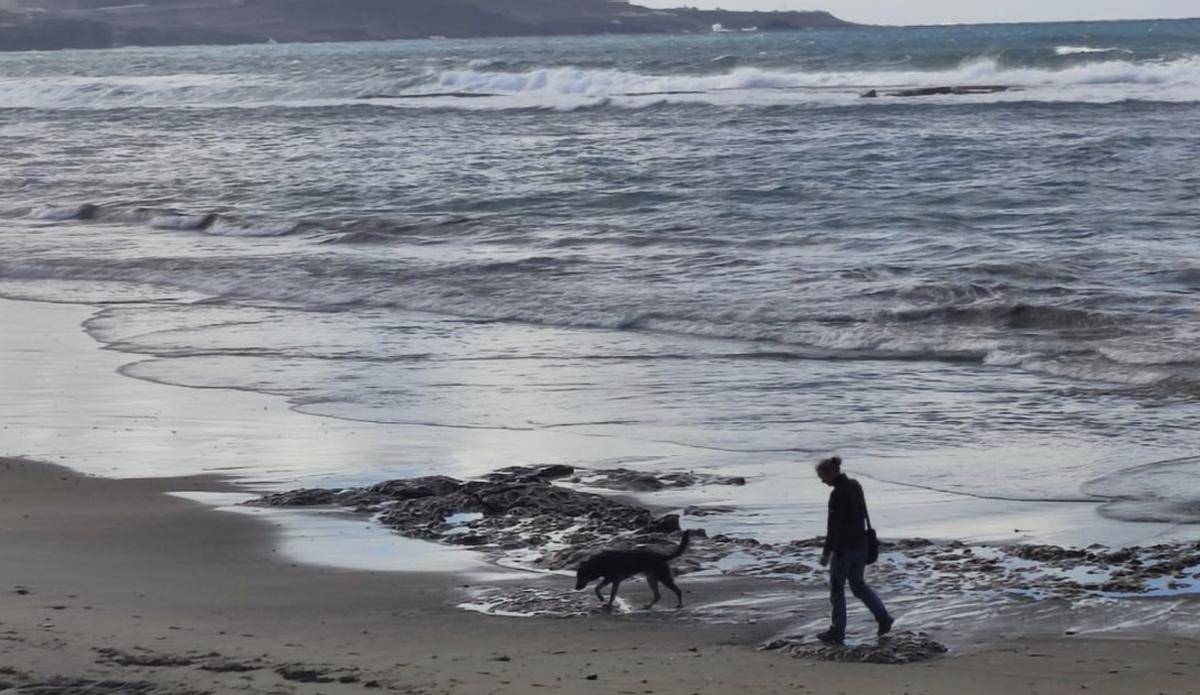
637	481
708	510
1044	553
227	666
899	648
368	498
956	90
907	544
303	674
527	473
121	658
415	488
665	524
1123	586
815	543
1116	557
304	497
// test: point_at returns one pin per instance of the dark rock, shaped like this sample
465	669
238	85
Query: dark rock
303	674
229	667
121	658
622	479
934	91
899	648
665	524
524	473
707	510
416	488
304	497
1044	553
365	498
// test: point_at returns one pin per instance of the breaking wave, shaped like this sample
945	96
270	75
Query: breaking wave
1099	79
1084	50
575	81
164	219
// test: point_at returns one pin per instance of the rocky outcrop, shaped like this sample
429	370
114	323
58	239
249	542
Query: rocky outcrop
515	508
935	91
897	648
547	517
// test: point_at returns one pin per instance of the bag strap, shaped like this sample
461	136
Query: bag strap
862	497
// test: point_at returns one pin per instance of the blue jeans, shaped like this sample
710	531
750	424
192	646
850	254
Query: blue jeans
849	566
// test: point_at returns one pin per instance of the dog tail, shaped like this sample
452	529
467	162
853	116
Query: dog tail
683	545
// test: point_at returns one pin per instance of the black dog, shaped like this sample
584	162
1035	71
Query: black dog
615	566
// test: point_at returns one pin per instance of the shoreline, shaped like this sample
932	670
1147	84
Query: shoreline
89	564
70	398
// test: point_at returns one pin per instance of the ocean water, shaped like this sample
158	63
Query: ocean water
664	252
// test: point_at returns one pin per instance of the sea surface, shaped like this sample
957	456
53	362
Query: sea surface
696	252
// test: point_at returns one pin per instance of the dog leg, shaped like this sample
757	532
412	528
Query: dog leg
613	596
653	582
599	587
670	583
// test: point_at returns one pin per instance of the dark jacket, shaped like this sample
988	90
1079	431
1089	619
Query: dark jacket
847	526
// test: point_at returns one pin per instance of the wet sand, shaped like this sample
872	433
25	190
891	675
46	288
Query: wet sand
104	579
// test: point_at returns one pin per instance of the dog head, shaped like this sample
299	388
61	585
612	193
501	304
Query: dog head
585	574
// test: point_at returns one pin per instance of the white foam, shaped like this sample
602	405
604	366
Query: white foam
271	229
567	87
1177	78
1076	50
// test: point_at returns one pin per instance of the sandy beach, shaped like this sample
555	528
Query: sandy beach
115	580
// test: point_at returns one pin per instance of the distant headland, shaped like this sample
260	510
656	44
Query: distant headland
60	24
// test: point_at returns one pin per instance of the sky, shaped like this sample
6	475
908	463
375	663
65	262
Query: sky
959	11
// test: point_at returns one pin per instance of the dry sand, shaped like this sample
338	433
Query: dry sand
89	564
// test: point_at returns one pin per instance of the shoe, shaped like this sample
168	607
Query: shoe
831	636
885	626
